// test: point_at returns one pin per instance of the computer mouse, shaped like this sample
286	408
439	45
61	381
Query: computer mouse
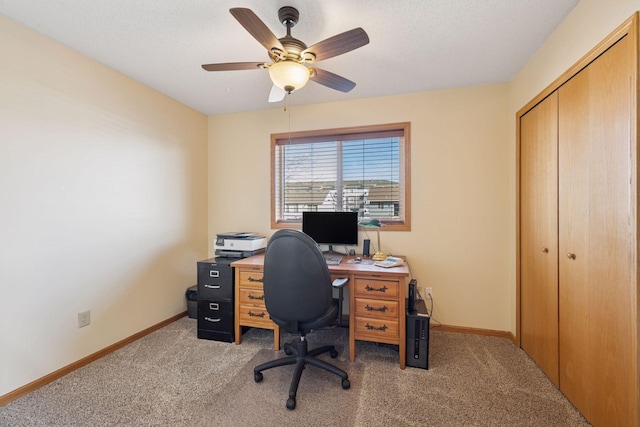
358	259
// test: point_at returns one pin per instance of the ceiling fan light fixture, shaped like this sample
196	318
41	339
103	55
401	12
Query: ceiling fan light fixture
289	75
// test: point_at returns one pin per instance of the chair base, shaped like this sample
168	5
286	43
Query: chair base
301	357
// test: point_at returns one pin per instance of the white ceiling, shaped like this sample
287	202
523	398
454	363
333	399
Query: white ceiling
415	45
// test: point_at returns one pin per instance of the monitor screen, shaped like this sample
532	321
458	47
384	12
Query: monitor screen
331	228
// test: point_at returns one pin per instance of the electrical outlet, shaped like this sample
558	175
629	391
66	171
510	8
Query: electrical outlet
427	292
84	319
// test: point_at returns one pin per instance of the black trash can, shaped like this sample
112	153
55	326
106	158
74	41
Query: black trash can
192	301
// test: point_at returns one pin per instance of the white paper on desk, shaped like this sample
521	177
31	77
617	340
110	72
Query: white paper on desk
390	262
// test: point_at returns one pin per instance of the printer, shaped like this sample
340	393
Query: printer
239	244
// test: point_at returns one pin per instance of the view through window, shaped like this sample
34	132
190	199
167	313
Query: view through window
364	170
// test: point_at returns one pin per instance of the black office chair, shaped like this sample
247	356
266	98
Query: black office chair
298	296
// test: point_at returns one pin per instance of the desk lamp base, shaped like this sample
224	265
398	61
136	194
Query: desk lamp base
379	256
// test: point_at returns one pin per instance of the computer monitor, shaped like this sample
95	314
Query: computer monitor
331	228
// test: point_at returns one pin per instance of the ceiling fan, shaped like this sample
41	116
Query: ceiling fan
290	56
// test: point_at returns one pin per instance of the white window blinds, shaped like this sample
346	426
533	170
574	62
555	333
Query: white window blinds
361	170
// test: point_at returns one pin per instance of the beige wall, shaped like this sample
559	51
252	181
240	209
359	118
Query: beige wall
588	24
459	242
104	191
103	205
462	242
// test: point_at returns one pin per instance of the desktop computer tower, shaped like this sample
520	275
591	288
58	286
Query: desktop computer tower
215	299
418	336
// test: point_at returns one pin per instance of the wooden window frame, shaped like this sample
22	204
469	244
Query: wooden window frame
373	131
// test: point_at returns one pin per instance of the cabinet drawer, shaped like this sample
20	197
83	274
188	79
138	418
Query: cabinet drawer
376	308
215	315
211	272
251	296
215	280
251	278
254	316
215	290
376	288
377	329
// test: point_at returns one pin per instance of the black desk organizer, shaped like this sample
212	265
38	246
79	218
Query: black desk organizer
215	299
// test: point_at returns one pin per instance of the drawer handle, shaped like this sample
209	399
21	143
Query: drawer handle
376	328
214	273
545	250
252	314
251	279
571	256
211	319
212	286
370	289
382	309
251	296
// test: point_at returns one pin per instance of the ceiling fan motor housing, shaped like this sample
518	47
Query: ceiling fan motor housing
293	47
288	16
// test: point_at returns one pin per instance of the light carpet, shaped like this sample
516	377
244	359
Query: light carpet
171	378
320	396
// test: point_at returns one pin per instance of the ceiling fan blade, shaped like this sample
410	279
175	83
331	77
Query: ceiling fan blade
231	66
277	94
338	44
256	28
333	81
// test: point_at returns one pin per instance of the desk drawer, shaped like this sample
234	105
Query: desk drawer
251	278
376	288
254	316
251	296
379	309
383	330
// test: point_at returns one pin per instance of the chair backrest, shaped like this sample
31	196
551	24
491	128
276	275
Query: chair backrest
297	284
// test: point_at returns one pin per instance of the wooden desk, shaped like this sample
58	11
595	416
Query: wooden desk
376	302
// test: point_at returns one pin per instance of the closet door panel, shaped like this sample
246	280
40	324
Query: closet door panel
597	289
574	308
539	235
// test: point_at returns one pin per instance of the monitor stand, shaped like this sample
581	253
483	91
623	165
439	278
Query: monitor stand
330	251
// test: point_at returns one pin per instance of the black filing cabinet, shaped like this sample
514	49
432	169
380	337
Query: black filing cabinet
215	299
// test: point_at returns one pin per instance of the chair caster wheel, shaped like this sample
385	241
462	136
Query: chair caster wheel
333	353
346	384
257	377
287	351
291	403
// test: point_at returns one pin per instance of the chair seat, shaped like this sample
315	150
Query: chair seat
329	318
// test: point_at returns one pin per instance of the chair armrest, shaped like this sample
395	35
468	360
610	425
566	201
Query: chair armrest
340	282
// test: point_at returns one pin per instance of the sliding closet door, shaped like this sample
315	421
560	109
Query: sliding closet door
597	299
539	235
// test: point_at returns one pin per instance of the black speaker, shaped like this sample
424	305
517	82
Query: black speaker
418	337
365	247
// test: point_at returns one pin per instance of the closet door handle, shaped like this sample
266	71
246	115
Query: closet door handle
545	250
571	256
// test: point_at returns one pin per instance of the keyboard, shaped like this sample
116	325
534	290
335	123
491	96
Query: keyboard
333	259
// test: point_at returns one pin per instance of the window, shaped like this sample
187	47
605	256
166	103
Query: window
364	170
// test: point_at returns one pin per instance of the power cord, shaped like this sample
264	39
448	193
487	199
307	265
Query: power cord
430	308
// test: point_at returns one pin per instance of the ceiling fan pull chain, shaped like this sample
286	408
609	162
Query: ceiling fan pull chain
289	118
